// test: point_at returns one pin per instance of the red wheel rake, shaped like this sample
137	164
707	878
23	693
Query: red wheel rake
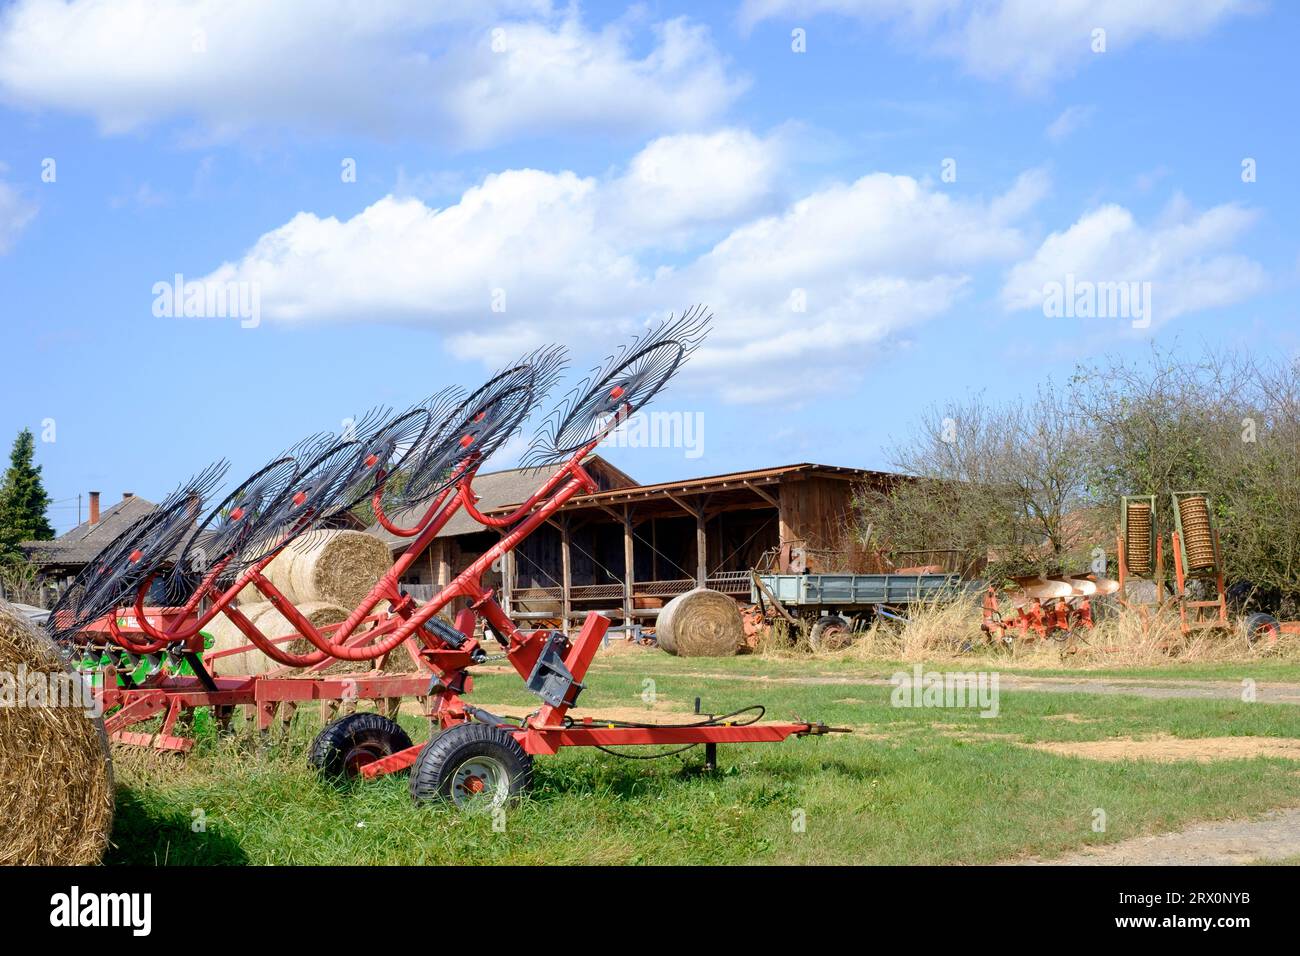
426	457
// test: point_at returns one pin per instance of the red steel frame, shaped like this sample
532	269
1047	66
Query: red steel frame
1203	614
441	676
1059	615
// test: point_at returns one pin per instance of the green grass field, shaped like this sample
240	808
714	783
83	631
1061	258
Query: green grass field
909	786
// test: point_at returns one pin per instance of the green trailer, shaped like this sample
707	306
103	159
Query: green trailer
831	607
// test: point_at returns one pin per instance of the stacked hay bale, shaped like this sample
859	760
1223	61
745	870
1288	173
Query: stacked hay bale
700	623
56	777
326	574
273	624
337	567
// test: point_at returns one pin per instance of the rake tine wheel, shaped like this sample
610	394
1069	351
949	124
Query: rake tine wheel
402	487
311	498
484	421
385	453
181	511
135	556
621	387
233	528
80	604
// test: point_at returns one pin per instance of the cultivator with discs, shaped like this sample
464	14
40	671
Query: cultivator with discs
138	626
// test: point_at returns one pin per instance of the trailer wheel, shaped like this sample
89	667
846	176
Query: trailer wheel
830	633
475	766
349	743
1261	629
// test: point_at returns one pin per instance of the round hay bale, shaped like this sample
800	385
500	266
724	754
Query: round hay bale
226	636
280	573
338	567
274	624
249	597
56	776
700	623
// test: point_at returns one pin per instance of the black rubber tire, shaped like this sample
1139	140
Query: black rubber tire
346	744
817	636
1261	629
435	769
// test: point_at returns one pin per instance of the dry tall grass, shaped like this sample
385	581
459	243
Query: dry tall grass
948	630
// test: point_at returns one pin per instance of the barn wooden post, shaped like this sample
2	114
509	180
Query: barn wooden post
566	574
654	549
786	518
701	540
628	570
507	581
701	551
443	547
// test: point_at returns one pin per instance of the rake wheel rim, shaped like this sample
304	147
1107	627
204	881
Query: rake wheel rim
481	782
584	424
247	537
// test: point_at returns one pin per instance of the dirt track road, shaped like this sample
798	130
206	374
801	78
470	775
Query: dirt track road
1265	692
1274	836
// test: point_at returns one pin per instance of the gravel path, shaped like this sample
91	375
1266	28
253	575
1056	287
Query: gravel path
1274	836
1265	692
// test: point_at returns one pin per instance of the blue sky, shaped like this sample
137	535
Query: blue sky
600	166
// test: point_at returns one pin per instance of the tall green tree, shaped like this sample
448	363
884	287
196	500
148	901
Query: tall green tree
23	500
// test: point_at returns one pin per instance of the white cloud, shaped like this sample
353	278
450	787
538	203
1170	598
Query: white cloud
679	183
582	260
1028	41
1072	118
470	73
1184	255
864	260
571	78
15	213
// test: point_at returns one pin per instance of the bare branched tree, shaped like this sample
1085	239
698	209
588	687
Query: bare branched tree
995	482
1224	423
1035	483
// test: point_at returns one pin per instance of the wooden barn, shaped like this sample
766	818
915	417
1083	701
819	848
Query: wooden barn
628	548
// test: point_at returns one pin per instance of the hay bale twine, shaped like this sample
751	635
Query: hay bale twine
56	776
700	623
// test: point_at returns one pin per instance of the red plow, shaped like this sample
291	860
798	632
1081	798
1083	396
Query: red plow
147	656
